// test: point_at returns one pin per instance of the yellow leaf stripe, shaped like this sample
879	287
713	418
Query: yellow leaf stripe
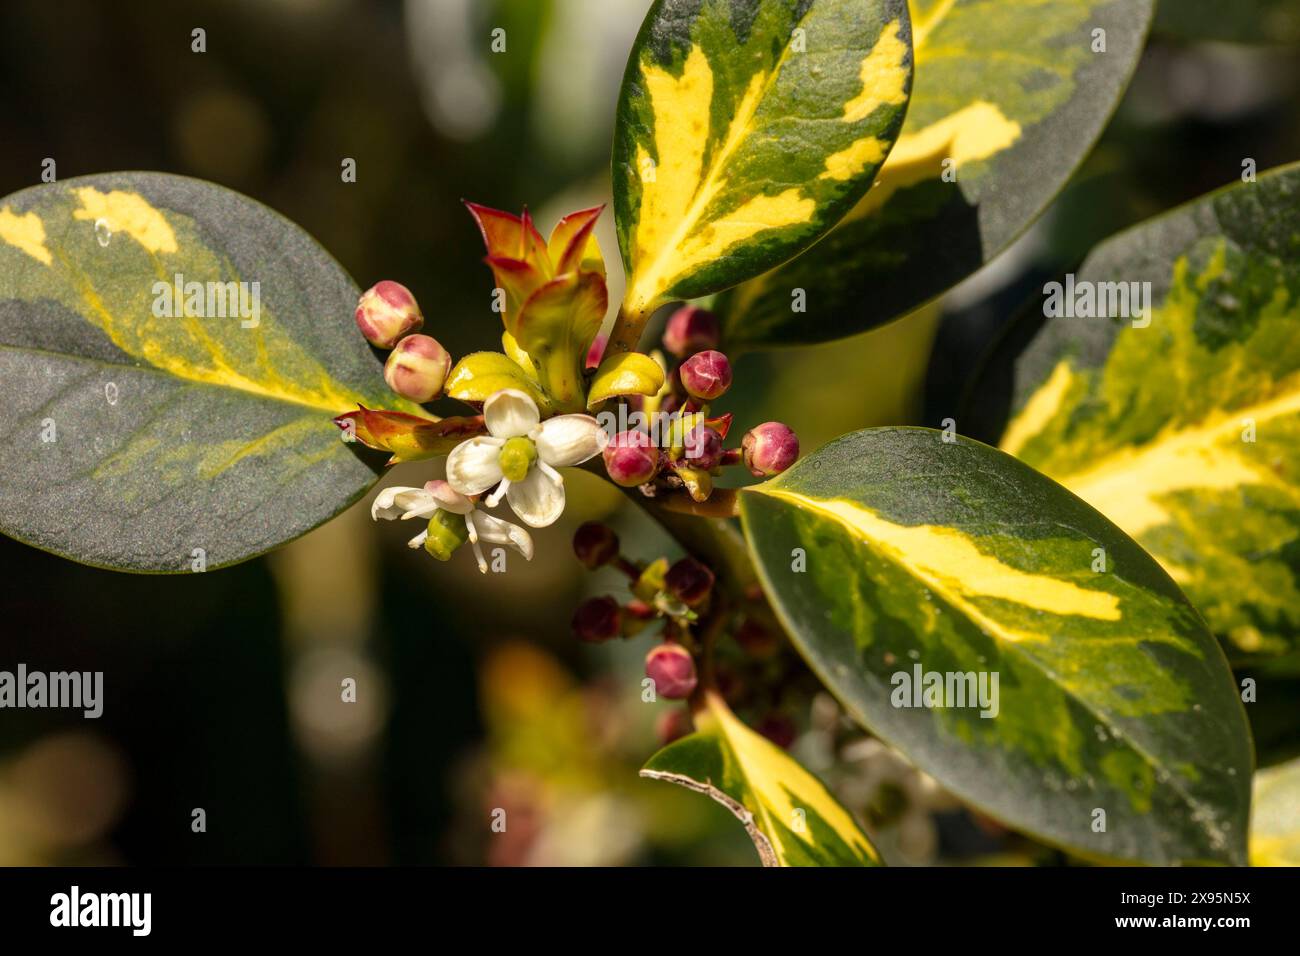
264	360
948	563
776	781
25	232
672	236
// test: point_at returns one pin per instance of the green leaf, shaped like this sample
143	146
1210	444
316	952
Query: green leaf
1186	432
892	555
1275	823
745	130
136	438
788	813
1009	96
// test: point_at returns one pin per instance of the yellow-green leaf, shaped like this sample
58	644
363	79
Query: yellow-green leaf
1010	641
745	130
1009	97
479	374
171	354
788	813
1182	424
628	373
1275	820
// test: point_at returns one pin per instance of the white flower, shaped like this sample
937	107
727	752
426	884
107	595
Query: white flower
406	503
519	455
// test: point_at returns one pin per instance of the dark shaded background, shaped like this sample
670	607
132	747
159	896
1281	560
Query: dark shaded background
222	688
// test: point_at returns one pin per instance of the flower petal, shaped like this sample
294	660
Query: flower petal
473	467
538	500
496	531
510	413
569	440
397	501
448	498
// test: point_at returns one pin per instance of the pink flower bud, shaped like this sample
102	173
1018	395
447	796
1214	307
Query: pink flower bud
691	329
672	669
673	725
386	312
597	619
417	367
706	375
631	458
769	449
595	544
703	447
689	581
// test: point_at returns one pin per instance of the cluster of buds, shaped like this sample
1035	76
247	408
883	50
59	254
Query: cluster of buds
674	593
390	318
681	445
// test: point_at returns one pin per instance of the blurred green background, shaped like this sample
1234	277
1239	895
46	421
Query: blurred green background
222	689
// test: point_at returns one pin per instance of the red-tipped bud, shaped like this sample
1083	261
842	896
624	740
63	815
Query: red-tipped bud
703	447
672	669
597	619
595	544
779	729
691	329
596	351
673	725
386	312
706	375
689	581
769	449
631	458
417	367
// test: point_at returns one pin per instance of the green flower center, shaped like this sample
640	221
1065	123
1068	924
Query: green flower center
517	456
447	532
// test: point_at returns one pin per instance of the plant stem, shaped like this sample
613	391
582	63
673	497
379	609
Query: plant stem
626	332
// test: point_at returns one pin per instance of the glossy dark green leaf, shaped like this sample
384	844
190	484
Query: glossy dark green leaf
1009	96
150	431
745	130
1080	698
788	813
1181	423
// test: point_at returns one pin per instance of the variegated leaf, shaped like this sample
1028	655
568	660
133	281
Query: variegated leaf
155	431
1275	821
788	813
1008	99
746	128
1113	728
1183	425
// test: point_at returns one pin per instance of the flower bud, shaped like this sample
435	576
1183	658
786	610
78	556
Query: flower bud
691	329
706	375
672	669
769	449
689	581
417	367
703	447
597	619
386	312
595	544
631	458
673	725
